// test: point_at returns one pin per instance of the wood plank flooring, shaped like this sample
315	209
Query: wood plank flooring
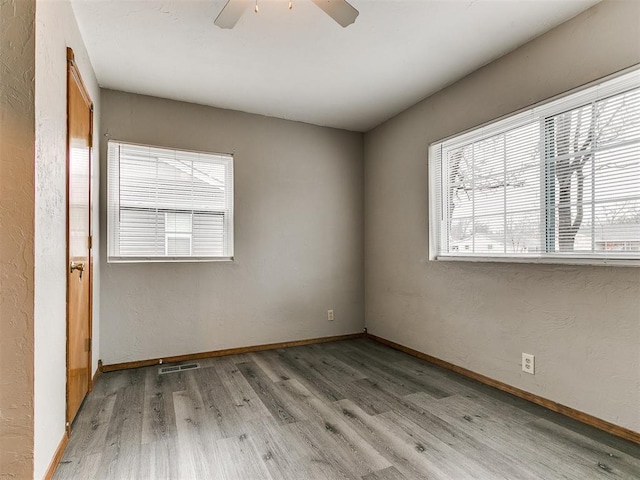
353	409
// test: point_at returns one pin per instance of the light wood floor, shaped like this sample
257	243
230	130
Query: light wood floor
345	410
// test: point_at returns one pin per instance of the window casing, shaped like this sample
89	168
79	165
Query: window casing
559	182
168	205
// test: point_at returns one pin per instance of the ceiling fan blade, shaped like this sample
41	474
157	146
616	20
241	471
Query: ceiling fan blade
231	13
341	11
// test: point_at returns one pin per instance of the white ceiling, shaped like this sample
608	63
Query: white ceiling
300	64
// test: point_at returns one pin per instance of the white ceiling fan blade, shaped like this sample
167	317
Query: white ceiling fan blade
341	11
231	13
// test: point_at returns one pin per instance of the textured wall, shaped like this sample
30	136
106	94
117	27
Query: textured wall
582	323
298	237
56	29
17	121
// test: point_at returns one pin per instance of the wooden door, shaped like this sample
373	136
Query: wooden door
79	258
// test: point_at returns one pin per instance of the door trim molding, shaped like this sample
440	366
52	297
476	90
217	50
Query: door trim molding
72	66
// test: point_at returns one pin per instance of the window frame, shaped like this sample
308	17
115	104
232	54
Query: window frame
227	215
606	86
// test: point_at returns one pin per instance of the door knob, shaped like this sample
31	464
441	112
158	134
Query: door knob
77	266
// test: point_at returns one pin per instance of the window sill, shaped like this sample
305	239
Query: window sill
168	259
548	260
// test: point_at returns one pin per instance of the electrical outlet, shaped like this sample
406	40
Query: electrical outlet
529	363
330	315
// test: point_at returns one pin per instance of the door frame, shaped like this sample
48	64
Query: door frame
74	72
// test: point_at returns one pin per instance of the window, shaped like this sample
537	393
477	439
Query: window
168	205
178	234
559	182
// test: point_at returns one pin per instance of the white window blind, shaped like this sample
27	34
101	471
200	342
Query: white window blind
168	205
558	182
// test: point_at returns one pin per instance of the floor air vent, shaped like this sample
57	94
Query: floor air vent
178	368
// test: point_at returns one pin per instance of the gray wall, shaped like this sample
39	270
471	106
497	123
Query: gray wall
582	323
298	237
